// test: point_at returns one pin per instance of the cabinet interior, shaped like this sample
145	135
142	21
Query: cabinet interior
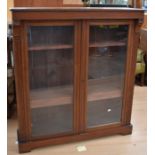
51	74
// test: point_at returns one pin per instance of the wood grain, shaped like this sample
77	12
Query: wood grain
99	89
68	13
42	48
108	44
24	17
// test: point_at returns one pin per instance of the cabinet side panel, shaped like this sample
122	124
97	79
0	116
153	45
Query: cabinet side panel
130	73
20	90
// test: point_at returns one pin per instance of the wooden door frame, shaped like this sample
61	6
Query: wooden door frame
20	78
25	126
126	101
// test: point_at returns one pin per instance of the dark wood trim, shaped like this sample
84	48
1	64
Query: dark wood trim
59	135
83	86
77	45
75	13
109	22
26	77
127	82
50	23
21	87
75	16
123	130
68	9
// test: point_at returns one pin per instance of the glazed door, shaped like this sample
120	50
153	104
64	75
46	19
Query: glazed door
53	66
107	55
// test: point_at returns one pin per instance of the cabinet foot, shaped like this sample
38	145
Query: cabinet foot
127	130
24	148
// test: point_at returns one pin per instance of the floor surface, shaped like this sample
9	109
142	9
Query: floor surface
134	144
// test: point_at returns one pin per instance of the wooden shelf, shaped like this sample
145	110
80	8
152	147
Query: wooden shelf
105	88
99	89
53	47
109	43
50	97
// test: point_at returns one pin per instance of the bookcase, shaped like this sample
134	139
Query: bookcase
74	71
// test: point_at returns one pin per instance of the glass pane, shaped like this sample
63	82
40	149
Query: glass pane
51	57
107	58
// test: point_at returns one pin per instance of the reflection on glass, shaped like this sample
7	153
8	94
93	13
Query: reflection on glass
110	2
51	57
107	58
121	2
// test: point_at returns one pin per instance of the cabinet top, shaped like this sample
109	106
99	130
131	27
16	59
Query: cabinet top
47	13
86	9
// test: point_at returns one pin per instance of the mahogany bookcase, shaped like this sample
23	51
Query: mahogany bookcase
75	70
